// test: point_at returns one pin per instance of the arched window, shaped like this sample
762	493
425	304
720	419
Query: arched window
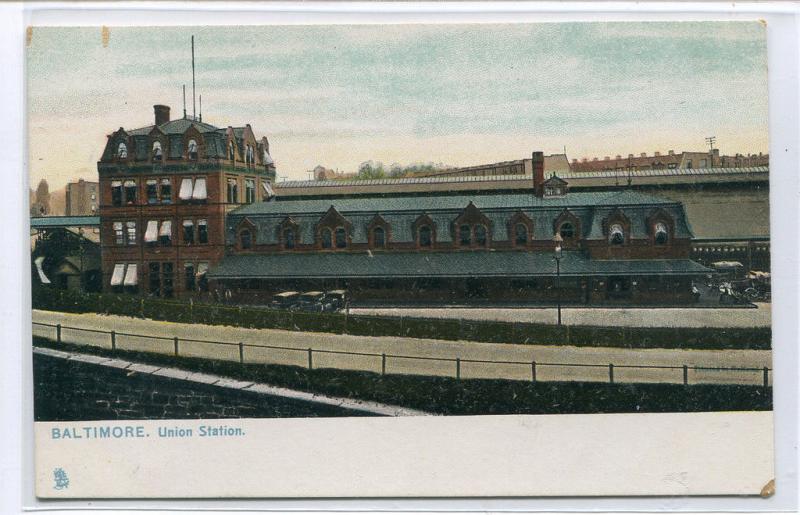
327	238
122	151
662	235
246	239
616	236
192	149
425	236
230	151
520	234
378	237
566	230
288	238
465	235
341	238
480	235
157	153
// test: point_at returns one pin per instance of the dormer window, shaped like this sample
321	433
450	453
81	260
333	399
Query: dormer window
157	153
288	238
326	238
616	235
465	235
341	238
230	151
192	149
378	237
425	236
567	230
520	234
122	151
246	239
661	234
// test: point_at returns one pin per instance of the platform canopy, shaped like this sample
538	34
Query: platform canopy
440	264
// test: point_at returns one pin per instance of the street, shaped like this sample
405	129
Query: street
606	316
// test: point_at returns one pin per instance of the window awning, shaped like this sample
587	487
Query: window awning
188	223
152	182
116	184
131	277
199	192
119	273
166	182
42	277
151	234
130	184
202	268
268	190
186	189
166	228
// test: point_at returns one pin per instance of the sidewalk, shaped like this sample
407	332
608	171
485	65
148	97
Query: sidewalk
411	355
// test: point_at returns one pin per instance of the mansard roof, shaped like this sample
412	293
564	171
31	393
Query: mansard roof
178	126
428	203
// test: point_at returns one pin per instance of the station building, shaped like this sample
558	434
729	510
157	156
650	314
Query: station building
620	246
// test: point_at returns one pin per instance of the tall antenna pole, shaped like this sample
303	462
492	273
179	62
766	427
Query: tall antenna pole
194	104
711	140
184	101
201	108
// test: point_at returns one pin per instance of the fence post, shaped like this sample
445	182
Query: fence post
458	368
310	362
241	352
685	374
113	340
175	341
533	371
383	364
58	333
766	377
610	372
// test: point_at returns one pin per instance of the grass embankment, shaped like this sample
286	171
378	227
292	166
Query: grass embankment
448	396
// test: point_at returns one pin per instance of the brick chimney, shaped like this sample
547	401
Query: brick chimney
671	152
162	114
537	164
643	154
657	153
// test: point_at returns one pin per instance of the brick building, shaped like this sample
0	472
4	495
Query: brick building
164	191
618	246
82	198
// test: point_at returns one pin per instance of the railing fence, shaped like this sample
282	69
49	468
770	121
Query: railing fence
457	361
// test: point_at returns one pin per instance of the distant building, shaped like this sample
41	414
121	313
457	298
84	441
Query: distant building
554	163
41	200
82	198
670	160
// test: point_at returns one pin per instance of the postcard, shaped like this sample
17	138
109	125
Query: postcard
462	260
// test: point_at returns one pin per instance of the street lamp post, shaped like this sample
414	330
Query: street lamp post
557	255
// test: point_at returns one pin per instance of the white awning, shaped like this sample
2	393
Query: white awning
199	192
268	189
38	262
202	268
131	278
119	273
152	182
130	183
166	228
116	184
151	234
188	223
186	189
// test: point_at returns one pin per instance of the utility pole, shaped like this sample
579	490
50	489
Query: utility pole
711	140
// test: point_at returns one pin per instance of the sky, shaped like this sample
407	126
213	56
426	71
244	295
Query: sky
338	95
